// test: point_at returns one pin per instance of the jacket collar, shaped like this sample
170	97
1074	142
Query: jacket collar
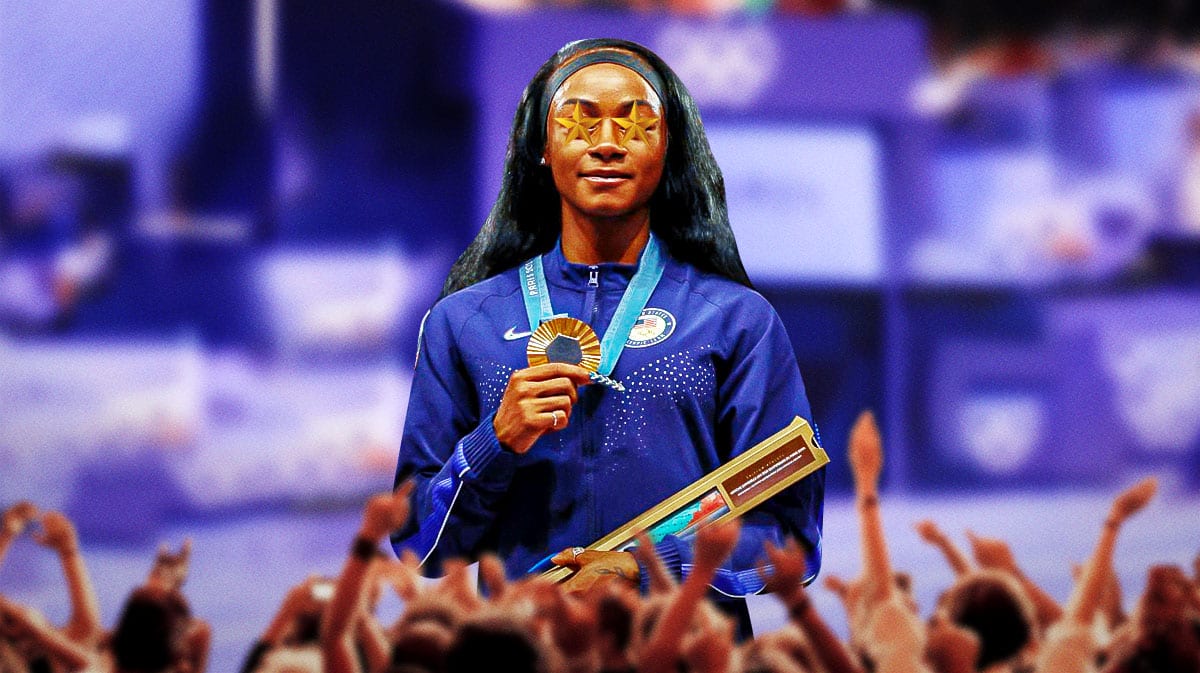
562	273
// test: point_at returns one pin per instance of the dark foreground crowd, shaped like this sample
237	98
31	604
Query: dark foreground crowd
992	618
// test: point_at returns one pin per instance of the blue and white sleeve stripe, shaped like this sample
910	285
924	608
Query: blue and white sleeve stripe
471	455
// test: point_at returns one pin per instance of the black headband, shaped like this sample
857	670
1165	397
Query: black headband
602	55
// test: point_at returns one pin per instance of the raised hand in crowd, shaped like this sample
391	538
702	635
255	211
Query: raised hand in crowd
787	584
573	629
884	625
457	586
665	646
58	534
1088	592
1111	610
660	580
29	630
616	610
992	618
369	635
403	575
292	636
931	533
492	577
866	465
709	646
866	455
423	634
383	514
170	570
992	553
849	592
1070	643
155	631
13	523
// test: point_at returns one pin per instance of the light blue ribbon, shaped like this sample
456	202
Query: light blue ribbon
650	271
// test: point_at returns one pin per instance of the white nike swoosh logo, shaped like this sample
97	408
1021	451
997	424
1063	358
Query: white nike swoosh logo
512	335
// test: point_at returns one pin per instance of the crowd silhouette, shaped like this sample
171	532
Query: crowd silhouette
992	618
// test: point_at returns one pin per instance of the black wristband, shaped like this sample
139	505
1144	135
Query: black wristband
363	548
257	652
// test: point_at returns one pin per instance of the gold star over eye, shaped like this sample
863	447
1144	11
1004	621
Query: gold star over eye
578	125
634	125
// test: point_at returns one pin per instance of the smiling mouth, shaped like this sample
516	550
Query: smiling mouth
605	177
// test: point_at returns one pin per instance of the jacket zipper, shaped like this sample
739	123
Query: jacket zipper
591	310
590	307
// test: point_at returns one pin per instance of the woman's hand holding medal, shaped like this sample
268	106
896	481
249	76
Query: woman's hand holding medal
563	354
537	400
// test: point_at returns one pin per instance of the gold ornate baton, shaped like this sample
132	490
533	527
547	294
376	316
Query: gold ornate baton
726	493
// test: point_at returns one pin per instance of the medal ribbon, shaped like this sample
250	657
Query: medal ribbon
641	286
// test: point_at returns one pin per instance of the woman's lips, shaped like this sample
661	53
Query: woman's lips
605	177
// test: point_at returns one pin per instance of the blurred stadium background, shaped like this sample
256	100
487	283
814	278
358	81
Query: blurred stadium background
221	223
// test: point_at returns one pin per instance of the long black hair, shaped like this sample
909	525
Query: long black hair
687	211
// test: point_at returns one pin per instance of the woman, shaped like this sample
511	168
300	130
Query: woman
612	212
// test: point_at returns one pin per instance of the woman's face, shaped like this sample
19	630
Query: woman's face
606	141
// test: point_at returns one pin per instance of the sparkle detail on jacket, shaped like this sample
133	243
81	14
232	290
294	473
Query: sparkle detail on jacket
724	378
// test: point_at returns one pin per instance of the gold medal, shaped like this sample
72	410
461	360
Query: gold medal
564	340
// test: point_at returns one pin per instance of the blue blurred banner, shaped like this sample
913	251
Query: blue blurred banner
220	226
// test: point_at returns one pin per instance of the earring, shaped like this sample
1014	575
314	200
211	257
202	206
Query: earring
542	161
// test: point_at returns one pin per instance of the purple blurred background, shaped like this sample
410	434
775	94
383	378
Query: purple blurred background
221	223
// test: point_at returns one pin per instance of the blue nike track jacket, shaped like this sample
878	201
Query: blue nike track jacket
709	372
